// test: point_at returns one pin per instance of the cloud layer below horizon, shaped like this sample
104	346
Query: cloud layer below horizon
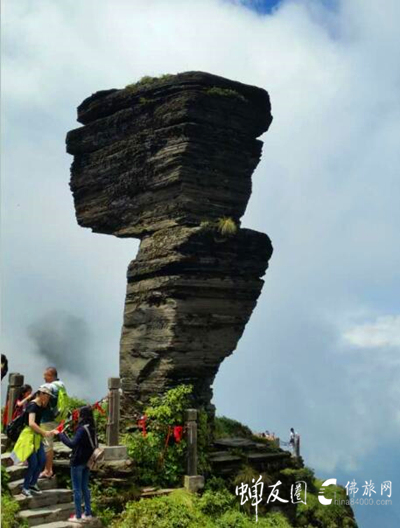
321	352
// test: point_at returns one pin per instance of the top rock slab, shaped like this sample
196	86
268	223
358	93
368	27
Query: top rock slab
166	151
106	102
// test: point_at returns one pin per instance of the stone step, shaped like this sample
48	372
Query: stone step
47	498
268	457
224	458
16	472
93	523
49	514
44	484
5	458
234	443
149	493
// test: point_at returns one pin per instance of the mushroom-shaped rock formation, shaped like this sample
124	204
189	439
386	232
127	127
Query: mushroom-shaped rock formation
169	161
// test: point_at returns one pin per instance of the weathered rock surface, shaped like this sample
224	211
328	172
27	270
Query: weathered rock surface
162	161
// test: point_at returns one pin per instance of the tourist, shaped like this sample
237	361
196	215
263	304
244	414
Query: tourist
29	445
4	366
82	445
24	396
293	442
292	437
50	416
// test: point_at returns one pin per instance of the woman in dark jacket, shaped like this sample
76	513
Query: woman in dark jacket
82	445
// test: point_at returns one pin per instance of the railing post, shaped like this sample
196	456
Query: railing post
191	426
15	382
193	482
113	412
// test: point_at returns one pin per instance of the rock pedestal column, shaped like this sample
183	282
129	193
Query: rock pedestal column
169	161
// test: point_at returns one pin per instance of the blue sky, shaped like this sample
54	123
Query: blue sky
321	351
262	6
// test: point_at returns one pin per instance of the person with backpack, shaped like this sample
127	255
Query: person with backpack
83	444
29	445
53	415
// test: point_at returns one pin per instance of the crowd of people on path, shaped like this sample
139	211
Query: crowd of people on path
40	415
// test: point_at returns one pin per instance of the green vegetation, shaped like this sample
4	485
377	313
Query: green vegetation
181	509
9	511
148	81
160	460
224	226
73	403
316	514
227	226
304	474
9	506
226	427
225	92
108	502
169	408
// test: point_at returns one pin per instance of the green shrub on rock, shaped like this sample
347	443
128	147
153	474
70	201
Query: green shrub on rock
158	459
9	506
9	511
215	503
316	514
177	510
226	428
181	509
236	519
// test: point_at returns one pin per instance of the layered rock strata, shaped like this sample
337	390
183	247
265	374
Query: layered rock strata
164	161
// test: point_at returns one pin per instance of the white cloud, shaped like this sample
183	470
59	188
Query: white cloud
326	192
384	332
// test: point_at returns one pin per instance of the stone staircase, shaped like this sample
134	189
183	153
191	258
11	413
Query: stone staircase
51	509
229	454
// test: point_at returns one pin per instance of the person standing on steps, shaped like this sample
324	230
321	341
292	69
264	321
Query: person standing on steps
82	445
29	445
52	415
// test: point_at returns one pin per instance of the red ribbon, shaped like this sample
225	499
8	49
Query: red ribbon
178	433
60	428
142	424
99	408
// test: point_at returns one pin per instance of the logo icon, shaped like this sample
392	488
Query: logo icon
323	500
